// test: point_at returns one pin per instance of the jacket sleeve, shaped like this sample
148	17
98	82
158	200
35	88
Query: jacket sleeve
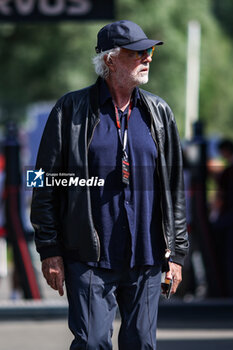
176	182
45	200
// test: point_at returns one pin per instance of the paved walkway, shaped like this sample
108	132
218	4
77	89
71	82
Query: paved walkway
54	335
44	327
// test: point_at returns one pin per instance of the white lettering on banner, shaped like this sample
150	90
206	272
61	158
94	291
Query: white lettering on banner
51	10
4	7
58	7
25	7
79	7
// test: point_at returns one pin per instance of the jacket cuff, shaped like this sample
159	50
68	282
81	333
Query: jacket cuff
49	251
178	259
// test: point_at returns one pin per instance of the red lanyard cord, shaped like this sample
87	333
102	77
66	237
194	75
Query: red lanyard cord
118	124
118	118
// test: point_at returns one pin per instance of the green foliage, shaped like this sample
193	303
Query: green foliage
168	20
43	61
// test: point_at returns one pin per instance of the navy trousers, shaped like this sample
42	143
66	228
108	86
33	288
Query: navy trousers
93	295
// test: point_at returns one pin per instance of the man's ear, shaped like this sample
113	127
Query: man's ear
109	62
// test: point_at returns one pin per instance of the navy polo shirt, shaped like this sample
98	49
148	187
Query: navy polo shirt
126	217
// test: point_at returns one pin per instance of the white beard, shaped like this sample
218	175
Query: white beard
136	78
142	78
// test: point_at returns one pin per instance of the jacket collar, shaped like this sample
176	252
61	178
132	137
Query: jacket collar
94	97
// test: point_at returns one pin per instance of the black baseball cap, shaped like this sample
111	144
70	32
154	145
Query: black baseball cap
124	34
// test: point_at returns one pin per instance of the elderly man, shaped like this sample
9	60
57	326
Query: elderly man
110	243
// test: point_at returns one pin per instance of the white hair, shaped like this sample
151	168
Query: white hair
101	68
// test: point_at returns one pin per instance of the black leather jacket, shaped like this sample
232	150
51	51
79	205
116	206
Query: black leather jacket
62	216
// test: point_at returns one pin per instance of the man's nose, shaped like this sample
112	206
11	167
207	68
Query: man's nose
147	57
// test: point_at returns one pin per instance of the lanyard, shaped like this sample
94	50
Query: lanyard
125	160
118	124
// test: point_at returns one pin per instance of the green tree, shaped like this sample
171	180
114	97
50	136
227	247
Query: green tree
168	20
40	62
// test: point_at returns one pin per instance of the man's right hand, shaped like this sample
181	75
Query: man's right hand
53	271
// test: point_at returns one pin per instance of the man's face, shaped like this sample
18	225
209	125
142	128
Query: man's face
131	70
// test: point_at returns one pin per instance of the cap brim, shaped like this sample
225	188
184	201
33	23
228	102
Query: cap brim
142	44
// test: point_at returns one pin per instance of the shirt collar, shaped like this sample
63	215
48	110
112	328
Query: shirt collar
105	94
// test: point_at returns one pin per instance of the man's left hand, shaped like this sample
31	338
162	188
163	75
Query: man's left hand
176	274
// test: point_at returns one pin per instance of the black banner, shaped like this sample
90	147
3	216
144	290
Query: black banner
54	10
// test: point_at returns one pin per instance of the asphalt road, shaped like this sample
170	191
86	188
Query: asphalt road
54	335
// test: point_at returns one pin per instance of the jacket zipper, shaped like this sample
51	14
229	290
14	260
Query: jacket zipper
167	250
92	134
98	245
96	234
